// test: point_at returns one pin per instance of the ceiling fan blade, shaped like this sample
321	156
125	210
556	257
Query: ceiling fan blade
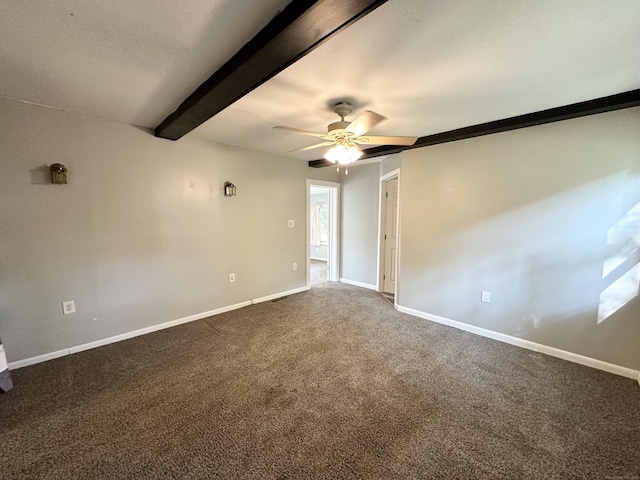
378	140
302	132
365	121
317	145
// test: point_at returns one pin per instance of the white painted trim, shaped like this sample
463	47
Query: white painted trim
359	284
38	359
3	359
153	328
319	259
278	295
307	236
520	342
334	245
390	175
382	216
398	242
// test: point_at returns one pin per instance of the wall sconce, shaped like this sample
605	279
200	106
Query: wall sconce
229	189
58	173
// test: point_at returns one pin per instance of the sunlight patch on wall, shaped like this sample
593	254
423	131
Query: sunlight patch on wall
624	240
619	293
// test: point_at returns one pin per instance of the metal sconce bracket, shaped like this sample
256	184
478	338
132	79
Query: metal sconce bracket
58	173
229	189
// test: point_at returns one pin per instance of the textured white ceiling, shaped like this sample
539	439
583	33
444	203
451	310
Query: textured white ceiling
429	66
129	61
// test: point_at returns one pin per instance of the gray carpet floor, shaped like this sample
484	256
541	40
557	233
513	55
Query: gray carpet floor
330	383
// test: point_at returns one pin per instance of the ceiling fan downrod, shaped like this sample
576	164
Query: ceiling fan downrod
343	109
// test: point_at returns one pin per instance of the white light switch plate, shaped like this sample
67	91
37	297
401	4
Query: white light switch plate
486	296
232	277
292	224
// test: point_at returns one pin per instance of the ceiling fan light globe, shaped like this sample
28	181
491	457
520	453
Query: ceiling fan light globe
343	154
354	153
331	155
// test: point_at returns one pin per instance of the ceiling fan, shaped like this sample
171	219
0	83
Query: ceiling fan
344	137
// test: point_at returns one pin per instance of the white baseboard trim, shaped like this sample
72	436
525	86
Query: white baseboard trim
359	284
142	331
278	295
155	328
38	359
519	342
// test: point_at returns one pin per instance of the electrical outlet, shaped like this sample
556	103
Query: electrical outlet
485	297
232	277
292	224
295	266
68	307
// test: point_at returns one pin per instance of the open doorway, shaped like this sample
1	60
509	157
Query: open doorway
322	231
388	239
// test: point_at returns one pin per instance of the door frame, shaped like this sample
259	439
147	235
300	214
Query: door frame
334	245
382	215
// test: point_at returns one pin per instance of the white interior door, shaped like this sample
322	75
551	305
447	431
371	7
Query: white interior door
390	240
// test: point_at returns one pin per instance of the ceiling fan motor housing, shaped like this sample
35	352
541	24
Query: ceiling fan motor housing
337	129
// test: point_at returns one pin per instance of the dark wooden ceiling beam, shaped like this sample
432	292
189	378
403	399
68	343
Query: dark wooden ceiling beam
575	110
294	32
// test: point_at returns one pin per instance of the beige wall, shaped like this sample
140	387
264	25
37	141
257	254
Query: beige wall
141	235
359	233
536	216
390	163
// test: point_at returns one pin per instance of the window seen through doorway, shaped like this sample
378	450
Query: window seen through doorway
320	224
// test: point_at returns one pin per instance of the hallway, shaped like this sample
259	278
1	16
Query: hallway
318	272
